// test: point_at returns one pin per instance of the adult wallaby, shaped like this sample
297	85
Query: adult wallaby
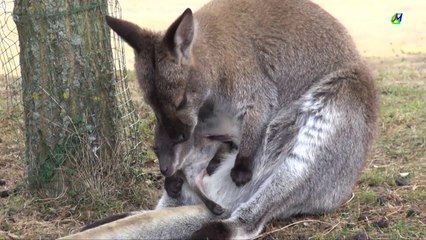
314	105
196	57
310	159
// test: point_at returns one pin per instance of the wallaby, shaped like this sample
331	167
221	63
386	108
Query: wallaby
218	130
312	154
314	107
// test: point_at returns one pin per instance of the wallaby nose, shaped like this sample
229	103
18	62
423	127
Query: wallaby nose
164	170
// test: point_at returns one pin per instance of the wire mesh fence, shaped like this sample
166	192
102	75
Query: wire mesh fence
10	75
129	128
125	119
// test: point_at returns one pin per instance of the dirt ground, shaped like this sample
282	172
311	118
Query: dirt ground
389	201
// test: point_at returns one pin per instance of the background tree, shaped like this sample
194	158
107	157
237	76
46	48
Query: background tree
69	96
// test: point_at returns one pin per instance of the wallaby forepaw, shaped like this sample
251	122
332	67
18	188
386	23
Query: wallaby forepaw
173	186
213	230
217	210
241	176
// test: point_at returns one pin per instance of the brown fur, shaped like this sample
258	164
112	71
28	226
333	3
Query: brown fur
265	54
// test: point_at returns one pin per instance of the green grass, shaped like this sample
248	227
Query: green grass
378	176
368	197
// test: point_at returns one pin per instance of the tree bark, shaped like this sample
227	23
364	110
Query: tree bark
68	93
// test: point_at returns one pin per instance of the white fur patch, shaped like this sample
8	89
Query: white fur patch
320	125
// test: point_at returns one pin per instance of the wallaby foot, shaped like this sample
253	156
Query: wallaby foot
241	173
173	186
215	208
213	230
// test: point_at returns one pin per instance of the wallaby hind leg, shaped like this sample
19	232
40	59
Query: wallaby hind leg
210	204
335	124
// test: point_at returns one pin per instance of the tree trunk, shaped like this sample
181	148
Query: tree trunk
68	93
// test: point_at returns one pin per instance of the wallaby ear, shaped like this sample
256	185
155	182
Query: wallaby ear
135	36
226	138
180	35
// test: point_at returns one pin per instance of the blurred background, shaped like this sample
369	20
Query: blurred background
369	22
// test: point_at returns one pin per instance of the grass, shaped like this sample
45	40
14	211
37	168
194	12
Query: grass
378	209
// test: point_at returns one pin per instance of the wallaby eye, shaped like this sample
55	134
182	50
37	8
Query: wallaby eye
183	103
156	150
180	138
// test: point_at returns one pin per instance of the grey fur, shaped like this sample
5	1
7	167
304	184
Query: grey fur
218	132
300	170
314	106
